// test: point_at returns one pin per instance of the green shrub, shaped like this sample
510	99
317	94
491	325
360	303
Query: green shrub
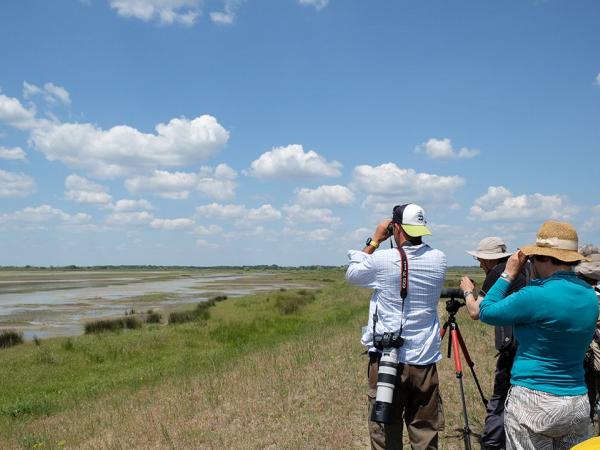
200	312
291	302
99	326
9	338
153	317
131	323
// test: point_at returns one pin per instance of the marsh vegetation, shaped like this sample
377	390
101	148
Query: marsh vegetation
279	369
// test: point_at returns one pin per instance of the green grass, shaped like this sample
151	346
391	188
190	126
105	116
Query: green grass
68	379
63	372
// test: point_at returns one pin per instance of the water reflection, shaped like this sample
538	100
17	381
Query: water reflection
62	310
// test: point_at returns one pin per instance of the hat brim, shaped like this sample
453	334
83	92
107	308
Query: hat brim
560	254
415	230
484	255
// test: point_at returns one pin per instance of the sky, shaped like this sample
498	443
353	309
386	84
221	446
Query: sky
246	132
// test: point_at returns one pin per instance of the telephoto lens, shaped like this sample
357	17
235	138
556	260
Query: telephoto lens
386	381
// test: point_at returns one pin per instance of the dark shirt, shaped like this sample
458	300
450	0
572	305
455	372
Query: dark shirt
504	335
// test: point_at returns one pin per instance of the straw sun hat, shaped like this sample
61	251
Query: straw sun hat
556	239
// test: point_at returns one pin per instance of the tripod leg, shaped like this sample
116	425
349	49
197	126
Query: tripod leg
471	364
459	375
444	329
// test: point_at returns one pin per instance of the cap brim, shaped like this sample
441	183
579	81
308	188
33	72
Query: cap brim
562	255
416	230
484	255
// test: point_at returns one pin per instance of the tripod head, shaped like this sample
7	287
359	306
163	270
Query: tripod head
452	304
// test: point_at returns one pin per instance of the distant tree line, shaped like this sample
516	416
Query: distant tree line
154	267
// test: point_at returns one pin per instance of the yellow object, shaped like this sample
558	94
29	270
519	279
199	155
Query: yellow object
374	243
590	444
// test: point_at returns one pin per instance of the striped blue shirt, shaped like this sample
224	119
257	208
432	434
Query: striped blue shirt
420	323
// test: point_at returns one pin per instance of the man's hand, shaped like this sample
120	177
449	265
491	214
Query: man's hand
381	233
466	284
515	263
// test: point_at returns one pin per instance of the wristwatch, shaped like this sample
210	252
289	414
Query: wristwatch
373	243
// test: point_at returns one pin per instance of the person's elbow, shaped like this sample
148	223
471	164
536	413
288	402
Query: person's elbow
473	314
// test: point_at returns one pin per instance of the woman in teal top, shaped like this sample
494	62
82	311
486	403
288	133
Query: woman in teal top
554	318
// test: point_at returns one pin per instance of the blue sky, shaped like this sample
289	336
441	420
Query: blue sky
281	131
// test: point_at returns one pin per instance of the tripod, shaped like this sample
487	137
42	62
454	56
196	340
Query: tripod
457	343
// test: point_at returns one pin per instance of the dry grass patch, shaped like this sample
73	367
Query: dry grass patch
308	394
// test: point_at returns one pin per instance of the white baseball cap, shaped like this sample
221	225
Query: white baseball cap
411	218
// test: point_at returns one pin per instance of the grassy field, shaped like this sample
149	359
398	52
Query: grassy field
272	370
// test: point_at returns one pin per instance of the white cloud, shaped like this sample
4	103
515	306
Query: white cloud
223	212
238	213
82	190
299	214
129	218
13	113
359	235
292	162
320	234
173	224
207	230
218	183
173	185
37	217
325	196
125	204
227	16
15	184
13	154
165	12
51	93
264	212
122	150
389	184
442	149
598	79
318	4
593	221
498	204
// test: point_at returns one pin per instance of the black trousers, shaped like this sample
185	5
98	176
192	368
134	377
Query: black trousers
493	430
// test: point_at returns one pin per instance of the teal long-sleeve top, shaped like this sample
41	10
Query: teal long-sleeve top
554	320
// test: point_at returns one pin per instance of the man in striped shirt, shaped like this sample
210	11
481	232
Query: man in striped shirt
416	395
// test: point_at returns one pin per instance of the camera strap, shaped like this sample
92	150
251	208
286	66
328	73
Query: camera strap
403	282
403	287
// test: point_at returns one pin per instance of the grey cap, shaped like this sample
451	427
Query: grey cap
591	268
490	248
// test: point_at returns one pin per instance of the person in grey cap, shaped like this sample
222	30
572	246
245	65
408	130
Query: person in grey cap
492	256
589	271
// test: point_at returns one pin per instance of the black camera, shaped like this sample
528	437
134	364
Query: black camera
453	305
390	229
387	340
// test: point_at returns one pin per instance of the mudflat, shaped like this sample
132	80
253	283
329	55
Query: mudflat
49	303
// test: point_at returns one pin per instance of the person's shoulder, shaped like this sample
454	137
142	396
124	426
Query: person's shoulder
384	254
433	253
494	274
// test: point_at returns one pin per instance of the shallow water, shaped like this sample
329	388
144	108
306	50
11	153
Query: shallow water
63	310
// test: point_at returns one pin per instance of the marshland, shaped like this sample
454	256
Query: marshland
278	367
